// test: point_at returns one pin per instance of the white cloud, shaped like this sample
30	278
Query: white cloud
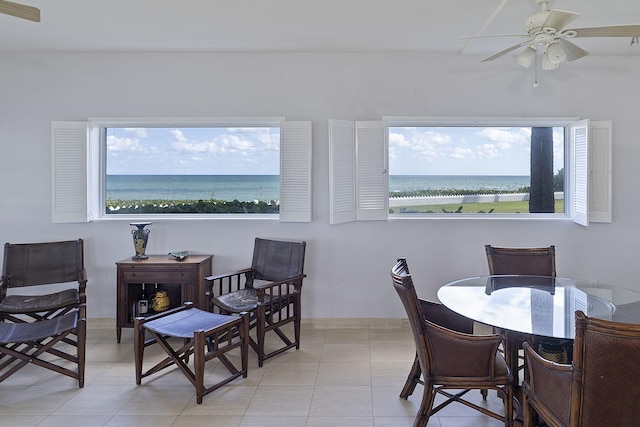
178	135
115	144
137	132
461	153
505	137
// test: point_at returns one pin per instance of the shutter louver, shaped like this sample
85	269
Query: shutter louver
579	134
372	183
295	171
600	171
69	172
342	205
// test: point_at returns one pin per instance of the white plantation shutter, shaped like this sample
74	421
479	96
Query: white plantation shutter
600	139
69	172
579	170
372	182
342	161
295	171
358	178
590	143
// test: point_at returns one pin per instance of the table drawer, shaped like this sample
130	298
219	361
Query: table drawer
141	276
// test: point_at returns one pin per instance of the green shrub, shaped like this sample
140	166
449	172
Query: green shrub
118	207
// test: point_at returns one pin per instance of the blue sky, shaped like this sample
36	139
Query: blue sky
465	150
193	151
255	151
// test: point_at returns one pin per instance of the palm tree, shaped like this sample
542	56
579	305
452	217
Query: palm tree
541	198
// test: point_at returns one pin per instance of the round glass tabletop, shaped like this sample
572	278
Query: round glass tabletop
543	306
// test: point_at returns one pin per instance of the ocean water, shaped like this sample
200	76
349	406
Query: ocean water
463	182
193	187
267	187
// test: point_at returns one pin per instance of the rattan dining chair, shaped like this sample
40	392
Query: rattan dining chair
440	315
451	360
532	261
600	387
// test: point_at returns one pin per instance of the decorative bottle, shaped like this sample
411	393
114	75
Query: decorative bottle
143	302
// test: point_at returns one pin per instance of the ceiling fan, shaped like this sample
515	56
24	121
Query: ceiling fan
546	34
20	10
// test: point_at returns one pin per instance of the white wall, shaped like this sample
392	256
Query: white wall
347	265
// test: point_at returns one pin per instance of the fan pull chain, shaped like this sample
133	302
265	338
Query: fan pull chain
535	71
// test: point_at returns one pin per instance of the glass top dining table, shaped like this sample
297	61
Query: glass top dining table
538	305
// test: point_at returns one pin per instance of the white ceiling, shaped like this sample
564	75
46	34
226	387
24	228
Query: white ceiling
299	25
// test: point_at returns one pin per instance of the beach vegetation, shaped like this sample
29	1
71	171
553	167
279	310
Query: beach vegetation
132	207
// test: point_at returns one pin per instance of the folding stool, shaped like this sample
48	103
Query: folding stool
200	331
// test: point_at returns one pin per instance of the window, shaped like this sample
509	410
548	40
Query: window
182	167
482	168
479	169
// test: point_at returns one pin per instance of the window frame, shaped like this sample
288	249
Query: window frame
595	172
78	193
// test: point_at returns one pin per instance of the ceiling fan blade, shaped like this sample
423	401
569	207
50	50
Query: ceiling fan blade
20	10
559	19
632	30
494	35
504	52
572	50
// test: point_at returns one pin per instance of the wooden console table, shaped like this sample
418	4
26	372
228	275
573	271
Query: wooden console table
183	281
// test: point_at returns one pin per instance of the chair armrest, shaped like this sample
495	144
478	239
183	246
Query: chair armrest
544	373
295	280
443	316
225	275
221	284
547	387
280	288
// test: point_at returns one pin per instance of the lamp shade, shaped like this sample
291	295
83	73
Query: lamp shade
547	64
555	53
526	57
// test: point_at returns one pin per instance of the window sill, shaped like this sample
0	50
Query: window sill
509	217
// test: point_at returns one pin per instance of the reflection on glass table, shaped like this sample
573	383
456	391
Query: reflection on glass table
537	305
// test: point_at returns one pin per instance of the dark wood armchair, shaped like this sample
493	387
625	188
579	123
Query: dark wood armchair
451	360
35	265
600	387
270	291
37	326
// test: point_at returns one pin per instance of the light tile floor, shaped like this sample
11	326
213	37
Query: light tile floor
339	377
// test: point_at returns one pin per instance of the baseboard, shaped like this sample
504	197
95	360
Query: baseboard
355	323
346	323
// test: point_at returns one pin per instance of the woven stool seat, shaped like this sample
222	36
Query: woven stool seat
200	331
183	323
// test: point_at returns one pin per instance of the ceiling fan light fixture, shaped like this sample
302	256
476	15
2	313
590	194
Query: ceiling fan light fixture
526	57
556	53
547	65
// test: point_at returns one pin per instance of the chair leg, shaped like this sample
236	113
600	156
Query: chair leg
528	412
244	348
297	309
138	345
428	397
260	333
81	336
412	380
199	342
